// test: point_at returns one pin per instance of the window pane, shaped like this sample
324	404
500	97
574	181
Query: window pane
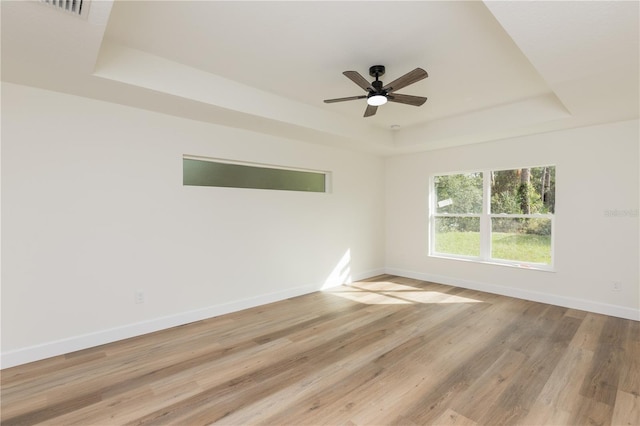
459	193
458	235
524	240
523	191
211	173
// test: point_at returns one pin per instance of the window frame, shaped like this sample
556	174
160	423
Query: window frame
246	174
486	217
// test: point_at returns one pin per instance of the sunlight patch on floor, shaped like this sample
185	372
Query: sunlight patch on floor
371	298
389	293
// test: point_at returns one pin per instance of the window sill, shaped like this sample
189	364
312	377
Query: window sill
508	264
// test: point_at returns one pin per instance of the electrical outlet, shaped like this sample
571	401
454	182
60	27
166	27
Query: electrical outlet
138	297
616	286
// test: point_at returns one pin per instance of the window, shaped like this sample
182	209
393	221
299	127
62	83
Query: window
503	216
209	172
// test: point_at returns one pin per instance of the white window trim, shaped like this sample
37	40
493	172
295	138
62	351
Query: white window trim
485	225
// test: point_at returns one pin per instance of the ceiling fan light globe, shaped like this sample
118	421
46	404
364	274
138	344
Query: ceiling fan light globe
376	100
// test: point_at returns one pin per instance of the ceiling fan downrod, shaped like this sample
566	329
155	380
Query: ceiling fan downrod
377	71
377	96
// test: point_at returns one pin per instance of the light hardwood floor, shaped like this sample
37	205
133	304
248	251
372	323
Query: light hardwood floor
386	351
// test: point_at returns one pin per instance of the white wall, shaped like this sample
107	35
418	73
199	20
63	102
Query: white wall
596	171
93	209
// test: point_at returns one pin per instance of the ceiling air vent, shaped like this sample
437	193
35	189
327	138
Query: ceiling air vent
73	7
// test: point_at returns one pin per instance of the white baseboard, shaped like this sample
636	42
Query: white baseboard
368	274
567	302
76	343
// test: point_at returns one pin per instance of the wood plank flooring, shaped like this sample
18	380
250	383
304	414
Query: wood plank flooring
388	350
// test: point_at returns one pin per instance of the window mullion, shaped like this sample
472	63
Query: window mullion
485	220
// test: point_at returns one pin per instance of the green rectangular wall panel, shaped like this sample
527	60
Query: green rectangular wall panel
211	173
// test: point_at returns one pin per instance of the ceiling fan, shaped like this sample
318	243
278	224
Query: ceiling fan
378	94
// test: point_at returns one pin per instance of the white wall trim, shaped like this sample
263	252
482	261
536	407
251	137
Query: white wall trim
75	343
567	302
369	274
71	344
89	340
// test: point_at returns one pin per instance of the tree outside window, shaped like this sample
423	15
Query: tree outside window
503	216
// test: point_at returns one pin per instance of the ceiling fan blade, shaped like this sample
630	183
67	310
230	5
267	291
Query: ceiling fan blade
371	110
350	98
407	79
406	99
358	79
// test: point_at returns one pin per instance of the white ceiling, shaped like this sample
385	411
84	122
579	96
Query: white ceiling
496	69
